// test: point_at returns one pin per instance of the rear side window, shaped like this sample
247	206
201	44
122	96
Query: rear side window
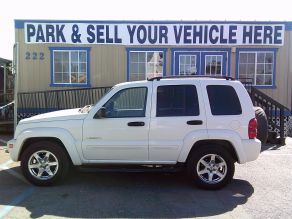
177	100
223	100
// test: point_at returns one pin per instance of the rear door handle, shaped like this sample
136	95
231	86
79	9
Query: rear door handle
136	123
195	122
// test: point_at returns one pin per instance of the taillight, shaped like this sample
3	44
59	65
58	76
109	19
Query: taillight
252	128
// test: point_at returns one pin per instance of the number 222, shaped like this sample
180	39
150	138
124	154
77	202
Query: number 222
34	56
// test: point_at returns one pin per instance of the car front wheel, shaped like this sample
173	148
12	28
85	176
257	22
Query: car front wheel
44	163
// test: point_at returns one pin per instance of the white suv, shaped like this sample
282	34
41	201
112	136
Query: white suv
202	124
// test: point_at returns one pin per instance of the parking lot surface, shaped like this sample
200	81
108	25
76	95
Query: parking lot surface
260	189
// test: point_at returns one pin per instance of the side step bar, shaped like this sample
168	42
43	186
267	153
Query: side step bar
132	168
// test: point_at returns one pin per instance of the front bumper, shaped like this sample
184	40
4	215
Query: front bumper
11	146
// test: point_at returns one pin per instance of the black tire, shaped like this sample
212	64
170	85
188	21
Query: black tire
56	155
262	124
194	165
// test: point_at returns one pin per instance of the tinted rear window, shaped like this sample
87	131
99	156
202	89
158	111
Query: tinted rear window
223	100
177	100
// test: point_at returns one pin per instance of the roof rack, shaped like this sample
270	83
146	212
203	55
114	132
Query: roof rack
191	76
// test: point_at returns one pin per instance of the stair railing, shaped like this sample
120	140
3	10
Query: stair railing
274	110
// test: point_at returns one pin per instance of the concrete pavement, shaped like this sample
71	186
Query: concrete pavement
260	189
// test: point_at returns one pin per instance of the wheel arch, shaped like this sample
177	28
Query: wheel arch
228	139
27	142
58	135
216	143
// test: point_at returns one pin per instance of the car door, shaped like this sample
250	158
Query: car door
177	110
122	135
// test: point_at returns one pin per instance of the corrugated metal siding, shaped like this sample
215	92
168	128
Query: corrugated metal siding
282	93
107	66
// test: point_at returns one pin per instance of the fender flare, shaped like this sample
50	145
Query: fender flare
226	135
62	134
189	141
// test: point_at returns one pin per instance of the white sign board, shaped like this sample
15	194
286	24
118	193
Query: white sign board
155	33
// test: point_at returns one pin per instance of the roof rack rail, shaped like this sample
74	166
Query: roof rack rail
155	78
190	76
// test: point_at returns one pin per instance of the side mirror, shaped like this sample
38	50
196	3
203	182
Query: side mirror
100	114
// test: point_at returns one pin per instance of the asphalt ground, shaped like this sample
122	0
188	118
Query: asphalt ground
260	189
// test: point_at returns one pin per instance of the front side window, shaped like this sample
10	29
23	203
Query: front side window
130	102
70	67
258	66
144	64
177	100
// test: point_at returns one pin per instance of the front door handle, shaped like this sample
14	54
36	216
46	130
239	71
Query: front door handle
195	122
136	123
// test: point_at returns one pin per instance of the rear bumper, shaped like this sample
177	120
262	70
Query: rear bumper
251	149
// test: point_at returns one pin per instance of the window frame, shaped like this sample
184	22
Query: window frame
70	49
256	51
216	57
129	50
189	56
201	53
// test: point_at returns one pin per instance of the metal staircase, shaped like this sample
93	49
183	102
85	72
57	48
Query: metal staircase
275	113
274	110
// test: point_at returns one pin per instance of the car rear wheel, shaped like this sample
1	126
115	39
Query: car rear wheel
210	167
44	163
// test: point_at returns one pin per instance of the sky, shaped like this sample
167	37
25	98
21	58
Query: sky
191	10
